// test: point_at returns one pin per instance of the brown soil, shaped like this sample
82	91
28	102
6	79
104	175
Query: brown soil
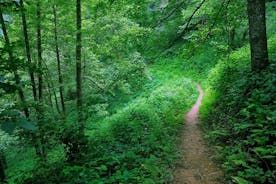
196	166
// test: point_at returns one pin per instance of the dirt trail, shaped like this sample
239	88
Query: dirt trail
195	167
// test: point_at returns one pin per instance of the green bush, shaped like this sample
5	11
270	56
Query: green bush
242	120
135	145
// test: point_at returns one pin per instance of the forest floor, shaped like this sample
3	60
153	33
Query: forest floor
195	167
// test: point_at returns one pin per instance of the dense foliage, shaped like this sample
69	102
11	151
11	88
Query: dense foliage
135	77
241	122
139	146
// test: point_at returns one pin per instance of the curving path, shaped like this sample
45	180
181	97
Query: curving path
195	167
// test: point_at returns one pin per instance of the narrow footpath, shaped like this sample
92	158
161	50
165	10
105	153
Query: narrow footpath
196	166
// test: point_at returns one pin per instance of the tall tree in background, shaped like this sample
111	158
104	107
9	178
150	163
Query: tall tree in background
78	61
11	59
39	52
257	34
42	150
60	79
27	48
2	167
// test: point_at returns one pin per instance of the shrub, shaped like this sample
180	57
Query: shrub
241	122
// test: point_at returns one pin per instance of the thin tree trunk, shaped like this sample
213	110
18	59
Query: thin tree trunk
2	167
56	101
257	34
232	34
21	94
43	150
28	50
38	145
51	86
78	62
50	97
60	79
39	52
29	58
16	76
245	34
43	154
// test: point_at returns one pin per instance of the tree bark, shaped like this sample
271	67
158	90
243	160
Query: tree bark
39	52
29	58
78	61
60	79
27	48
2	167
50	97
50	87
257	34
42	147
16	76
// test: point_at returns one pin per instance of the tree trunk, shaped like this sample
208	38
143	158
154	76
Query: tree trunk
77	146
257	34
78	62
60	79
21	95
51	86
50	97
28	50
31	73
56	101
42	146
2	167
16	76
39	52
232	35
2	173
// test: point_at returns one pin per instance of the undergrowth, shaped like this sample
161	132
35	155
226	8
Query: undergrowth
141	142
240	118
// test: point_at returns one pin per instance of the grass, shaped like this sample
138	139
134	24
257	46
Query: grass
139	140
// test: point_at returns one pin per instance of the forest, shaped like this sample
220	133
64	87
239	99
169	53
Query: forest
137	91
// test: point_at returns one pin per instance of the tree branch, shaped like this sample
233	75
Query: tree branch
187	24
94	82
179	5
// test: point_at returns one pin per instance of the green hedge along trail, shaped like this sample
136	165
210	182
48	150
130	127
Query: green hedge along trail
196	166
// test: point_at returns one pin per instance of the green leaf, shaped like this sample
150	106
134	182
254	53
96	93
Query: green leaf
240	162
240	180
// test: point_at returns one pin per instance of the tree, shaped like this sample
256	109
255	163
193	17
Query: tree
40	151
257	34
2	168
78	61
27	48
39	52
11	59
60	79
